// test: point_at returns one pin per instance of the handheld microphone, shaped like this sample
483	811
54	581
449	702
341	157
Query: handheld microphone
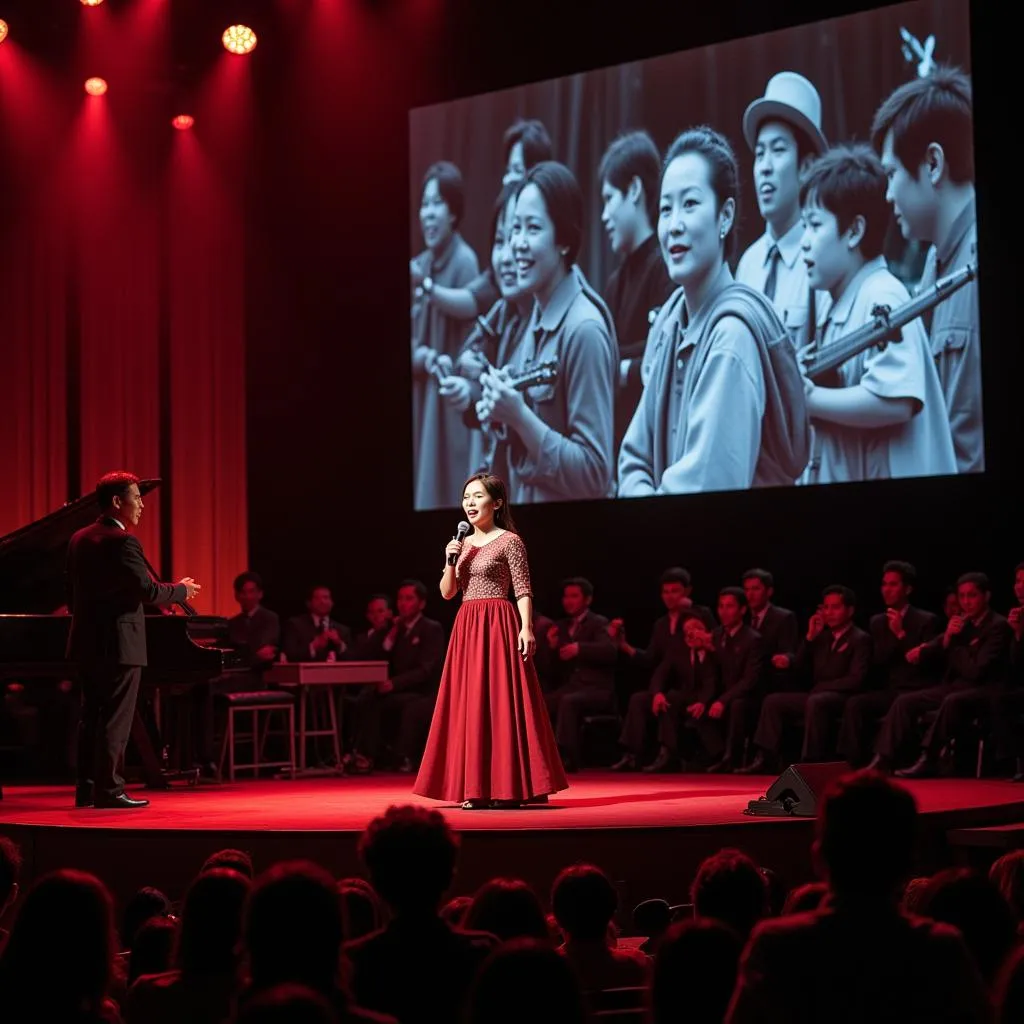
460	532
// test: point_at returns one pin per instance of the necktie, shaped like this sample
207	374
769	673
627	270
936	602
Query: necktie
774	256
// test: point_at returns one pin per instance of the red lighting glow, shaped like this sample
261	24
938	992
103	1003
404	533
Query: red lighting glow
91	3
183	122
95	86
239	39
3	30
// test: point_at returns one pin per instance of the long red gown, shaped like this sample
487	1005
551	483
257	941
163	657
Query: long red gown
491	738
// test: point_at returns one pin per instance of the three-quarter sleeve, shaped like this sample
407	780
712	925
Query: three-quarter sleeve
519	567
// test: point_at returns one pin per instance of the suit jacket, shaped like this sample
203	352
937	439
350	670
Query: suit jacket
889	656
594	666
780	634
301	631
415	659
248	633
740	662
978	655
857	966
108	583
842	670
696	680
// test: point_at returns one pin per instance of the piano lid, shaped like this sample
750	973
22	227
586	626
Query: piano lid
32	558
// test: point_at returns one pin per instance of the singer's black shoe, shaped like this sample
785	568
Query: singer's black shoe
120	802
923	768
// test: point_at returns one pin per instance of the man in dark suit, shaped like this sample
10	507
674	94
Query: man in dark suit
685	685
837	657
975	652
379	616
740	667
585	669
894	632
315	636
414	650
108	583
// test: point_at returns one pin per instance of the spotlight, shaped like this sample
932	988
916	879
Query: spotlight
3	30
239	39
91	3
183	122
95	86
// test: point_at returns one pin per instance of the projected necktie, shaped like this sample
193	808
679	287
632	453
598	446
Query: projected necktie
773	272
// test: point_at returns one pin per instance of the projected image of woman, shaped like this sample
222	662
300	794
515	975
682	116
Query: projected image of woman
491	742
441	440
560	433
700	421
506	321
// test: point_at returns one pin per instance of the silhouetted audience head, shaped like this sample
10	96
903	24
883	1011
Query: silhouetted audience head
146	903
360	908
695	972
867	830
211	922
729	887
971	903
287	1004
454	911
410	854
60	950
777	892
508	908
1009	991
152	948
234	860
525	980
584	901
913	894
804	898
293	927
10	872
1007	874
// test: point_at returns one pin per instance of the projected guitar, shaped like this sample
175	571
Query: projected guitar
541	373
886	325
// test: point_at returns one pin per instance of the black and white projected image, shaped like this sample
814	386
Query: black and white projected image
748	265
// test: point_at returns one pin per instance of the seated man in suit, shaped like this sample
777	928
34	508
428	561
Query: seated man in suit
740	669
255	633
837	656
894	632
585	671
414	650
975	654
315	636
685	685
379	616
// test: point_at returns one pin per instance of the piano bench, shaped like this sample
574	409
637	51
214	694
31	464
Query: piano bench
267	703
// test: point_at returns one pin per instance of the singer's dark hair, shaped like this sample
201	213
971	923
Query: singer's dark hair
495	488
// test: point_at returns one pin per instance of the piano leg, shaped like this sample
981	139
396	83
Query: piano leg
156	774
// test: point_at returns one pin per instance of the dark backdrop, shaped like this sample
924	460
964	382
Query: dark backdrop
328	379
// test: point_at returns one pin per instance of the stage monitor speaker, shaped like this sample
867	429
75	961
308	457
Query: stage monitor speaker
797	792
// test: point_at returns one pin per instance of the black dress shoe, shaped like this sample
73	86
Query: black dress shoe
878	764
722	767
661	763
122	800
84	798
627	763
759	766
922	768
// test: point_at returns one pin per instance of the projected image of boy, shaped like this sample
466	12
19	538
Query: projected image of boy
783	130
887	417
925	134
630	174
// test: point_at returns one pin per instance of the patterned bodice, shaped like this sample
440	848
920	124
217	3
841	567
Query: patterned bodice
490	570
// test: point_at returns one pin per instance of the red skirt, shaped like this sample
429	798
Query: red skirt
491	738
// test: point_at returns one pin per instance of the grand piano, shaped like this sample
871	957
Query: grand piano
183	648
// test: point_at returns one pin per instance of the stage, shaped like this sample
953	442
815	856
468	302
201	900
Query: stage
648	832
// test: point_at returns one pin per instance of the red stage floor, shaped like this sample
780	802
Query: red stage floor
649	832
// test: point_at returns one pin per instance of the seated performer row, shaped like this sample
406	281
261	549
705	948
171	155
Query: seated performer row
854	692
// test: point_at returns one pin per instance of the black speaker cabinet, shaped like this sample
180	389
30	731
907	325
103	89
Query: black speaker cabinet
797	792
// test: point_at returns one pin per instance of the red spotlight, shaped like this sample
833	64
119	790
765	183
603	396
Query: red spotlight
239	39
183	122
95	86
91	3
3	30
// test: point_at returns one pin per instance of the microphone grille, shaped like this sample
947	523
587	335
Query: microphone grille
463	528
